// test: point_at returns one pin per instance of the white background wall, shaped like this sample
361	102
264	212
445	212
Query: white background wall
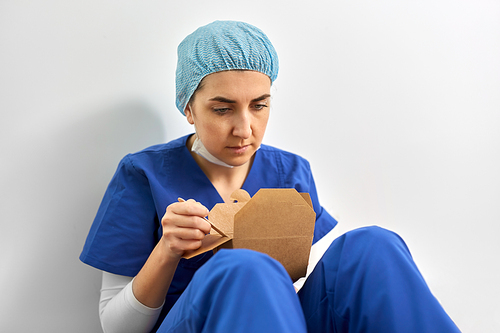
396	104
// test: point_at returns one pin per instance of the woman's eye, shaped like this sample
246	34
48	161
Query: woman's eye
221	110
260	106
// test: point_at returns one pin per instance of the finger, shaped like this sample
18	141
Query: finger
185	233
187	221
180	245
189	207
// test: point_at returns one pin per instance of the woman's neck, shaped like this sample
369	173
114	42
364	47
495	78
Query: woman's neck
225	180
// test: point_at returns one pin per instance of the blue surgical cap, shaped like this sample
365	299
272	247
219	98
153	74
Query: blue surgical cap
221	46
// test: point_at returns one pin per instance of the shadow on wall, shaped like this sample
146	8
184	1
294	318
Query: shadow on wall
98	143
66	171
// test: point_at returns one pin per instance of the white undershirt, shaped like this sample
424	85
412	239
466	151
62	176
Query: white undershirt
120	311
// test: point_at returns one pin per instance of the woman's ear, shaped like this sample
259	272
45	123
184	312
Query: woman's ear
189	114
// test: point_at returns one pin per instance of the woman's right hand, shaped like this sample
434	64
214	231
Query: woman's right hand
184	227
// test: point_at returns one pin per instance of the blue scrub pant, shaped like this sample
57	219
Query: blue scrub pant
365	282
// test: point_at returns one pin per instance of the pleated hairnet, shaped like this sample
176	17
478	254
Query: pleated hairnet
221	46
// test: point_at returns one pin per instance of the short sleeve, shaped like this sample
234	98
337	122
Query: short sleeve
324	221
124	231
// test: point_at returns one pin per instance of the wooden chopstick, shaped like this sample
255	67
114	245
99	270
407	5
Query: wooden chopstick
213	226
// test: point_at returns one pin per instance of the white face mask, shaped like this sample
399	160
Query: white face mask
200	149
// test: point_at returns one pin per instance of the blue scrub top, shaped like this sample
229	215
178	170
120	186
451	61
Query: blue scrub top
127	225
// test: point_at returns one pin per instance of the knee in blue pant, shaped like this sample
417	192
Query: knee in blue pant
245	264
368	256
248	274
238	291
373	237
372	284
372	245
349	271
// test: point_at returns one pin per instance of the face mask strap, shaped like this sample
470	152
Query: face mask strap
200	149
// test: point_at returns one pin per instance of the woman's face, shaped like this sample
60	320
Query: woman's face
230	111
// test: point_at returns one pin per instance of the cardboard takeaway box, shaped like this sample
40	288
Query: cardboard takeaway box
279	222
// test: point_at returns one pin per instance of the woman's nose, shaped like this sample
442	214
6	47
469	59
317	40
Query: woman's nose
242	125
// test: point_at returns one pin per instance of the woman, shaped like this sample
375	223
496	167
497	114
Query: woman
366	281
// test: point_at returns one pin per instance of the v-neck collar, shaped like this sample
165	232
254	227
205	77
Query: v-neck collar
247	184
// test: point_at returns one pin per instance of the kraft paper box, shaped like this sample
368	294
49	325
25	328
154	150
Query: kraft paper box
279	222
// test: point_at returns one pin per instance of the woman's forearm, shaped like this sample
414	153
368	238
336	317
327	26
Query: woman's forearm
151	284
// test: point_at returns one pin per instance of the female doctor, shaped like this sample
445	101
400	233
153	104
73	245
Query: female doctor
365	282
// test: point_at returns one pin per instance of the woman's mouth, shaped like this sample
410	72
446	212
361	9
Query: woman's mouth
238	149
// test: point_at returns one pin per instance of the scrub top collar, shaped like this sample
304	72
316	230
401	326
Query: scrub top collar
194	169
